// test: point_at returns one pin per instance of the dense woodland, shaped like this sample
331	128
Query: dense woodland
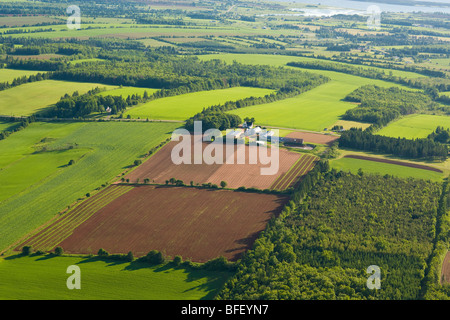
321	246
382	105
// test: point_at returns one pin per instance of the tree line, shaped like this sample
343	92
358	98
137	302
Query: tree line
402	147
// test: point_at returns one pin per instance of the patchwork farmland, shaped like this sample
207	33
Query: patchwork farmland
198	224
160	168
89	176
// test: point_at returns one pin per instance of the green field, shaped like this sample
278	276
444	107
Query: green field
185	106
280	60
353	165
48	186
11	74
7	125
314	110
30	98
415	126
24	278
124	92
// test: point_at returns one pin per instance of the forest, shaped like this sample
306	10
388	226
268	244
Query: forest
322	244
382	105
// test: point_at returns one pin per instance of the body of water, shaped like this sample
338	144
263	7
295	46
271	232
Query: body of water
355	7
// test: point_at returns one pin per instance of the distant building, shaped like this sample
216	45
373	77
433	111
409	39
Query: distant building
234	134
252	131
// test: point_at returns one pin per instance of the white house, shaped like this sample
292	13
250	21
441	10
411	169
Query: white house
253	131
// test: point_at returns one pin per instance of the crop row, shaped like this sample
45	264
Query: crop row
53	234
300	168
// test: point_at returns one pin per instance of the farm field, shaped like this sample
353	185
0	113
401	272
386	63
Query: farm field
198	224
27	20
111	147
11	74
346	124
39	95
289	179
7	125
151	208
23	278
185	106
160	168
313	137
282	60
367	166
50	236
313	110
414	126
146	31
124	92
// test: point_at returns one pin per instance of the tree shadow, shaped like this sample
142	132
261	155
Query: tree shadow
15	256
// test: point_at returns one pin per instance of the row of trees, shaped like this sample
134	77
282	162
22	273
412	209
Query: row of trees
402	147
25	79
17	125
83	105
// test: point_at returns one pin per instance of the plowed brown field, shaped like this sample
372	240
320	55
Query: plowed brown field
313	137
198	224
160	168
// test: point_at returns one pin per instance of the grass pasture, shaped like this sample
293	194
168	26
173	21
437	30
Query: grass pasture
24	278
110	149
353	165
7	125
314	110
8	75
124	92
33	97
414	126
185	106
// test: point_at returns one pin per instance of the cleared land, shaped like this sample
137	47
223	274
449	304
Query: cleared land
185	106
160	167
400	163
30	98
289	179
197	224
350	124
402	171
23	278
124	92
313	110
313	137
47	238
414	126
7	75
110	147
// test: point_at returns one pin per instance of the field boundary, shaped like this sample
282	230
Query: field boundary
400	163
